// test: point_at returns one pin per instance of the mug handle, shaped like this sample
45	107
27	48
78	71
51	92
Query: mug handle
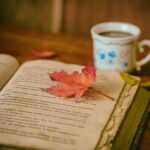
141	49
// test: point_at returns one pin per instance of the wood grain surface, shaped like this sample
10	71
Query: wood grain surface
81	15
74	16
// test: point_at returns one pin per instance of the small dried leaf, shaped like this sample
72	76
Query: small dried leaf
42	54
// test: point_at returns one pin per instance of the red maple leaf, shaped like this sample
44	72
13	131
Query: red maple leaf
74	84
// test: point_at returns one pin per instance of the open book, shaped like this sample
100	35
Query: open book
31	118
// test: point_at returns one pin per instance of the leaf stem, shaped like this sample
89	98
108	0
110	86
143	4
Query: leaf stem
109	97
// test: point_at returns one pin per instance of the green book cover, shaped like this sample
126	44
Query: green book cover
141	127
129	126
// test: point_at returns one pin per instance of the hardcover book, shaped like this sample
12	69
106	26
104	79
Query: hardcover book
33	119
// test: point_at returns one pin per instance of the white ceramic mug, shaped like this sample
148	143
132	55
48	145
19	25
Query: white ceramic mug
117	52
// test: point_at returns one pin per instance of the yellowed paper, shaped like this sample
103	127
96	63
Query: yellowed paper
8	66
35	119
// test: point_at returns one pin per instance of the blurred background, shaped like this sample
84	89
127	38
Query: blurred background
74	17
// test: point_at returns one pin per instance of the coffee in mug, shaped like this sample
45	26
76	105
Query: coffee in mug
115	34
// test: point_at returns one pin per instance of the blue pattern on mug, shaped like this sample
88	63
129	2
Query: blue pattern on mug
102	56
112	54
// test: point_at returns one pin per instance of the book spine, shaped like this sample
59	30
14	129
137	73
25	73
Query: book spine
140	131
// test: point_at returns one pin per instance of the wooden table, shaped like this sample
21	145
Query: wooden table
69	49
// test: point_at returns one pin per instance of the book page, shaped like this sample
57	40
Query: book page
8	66
31	118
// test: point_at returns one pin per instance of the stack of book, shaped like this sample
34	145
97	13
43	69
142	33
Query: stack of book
33	119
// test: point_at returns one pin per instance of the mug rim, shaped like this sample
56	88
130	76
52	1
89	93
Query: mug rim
119	26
